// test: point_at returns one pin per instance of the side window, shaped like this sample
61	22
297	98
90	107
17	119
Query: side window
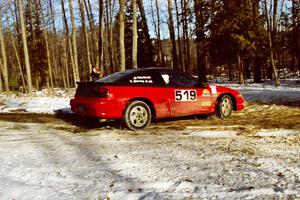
181	80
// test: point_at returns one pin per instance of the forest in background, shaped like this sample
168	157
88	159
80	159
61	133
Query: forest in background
47	43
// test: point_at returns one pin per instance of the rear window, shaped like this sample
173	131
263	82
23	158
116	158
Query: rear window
117	77
147	78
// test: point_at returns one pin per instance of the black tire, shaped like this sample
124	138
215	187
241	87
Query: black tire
137	115
224	107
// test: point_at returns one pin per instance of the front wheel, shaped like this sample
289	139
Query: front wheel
224	107
137	115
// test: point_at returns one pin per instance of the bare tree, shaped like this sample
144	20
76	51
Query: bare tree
67	40
15	48
50	75
1	87
269	28
94	44
185	35
86	36
180	60
172	34
109	33
25	47
101	33
161	55
144	22
200	40
134	35
296	33
4	58
122	34
74	43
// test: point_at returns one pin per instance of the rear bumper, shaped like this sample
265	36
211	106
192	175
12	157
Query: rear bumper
101	108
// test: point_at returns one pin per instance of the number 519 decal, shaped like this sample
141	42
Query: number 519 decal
185	95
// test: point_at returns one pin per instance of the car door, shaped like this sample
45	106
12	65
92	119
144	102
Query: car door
185	98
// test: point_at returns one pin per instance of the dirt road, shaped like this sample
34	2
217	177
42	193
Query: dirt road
252	155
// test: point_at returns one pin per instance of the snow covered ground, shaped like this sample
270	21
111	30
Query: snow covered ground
286	94
252	155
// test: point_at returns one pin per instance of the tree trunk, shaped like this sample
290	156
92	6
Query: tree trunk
16	52
172	35
257	69
134	36
296	34
181	55
53	53
52	16
101	32
94	51
65	62
18	63
4	59
109	34
277	82
122	34
25	47
185	35
230	70
74	44
50	75
86	36
68	43
1	87
144	21
257	58
200	40
240	67
160	50
31	22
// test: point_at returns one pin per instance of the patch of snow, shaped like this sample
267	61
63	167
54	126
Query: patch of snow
214	134
211	127
282	132
47	105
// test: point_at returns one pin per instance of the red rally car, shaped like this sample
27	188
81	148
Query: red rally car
139	95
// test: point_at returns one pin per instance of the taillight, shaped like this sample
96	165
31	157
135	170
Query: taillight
102	92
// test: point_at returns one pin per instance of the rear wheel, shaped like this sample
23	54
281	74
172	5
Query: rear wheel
224	107
137	115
